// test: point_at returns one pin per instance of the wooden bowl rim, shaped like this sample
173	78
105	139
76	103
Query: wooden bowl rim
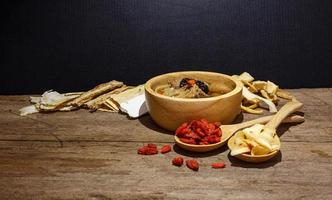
236	90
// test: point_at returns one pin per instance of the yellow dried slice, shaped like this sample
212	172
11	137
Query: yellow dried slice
96	91
245	76
259	85
113	105
249	95
237	150
259	150
284	94
271	88
253	106
96	103
250	110
128	94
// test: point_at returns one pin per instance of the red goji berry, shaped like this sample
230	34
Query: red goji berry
152	146
181	127
188	141
165	149
177	161
148	149
192	164
218	165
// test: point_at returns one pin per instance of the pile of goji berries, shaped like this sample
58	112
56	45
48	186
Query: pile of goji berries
151	149
199	132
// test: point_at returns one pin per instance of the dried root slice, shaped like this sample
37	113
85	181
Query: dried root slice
68	108
96	91
28	110
52	101
284	94
35	100
253	106
271	88
128	94
111	104
245	76
250	96
271	97
251	87
96	103
132	101
251	110
259	85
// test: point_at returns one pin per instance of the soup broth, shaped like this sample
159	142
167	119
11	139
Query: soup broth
188	88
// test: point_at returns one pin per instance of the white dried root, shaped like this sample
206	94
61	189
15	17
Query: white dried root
108	97
132	101
264	91
28	110
49	101
249	95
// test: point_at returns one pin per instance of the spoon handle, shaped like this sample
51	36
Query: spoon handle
286	110
264	120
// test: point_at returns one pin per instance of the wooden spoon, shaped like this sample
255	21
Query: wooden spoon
271	126
229	130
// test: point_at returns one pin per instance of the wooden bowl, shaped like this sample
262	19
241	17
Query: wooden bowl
170	112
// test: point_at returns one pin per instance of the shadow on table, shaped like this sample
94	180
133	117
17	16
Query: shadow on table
283	128
147	121
269	163
184	152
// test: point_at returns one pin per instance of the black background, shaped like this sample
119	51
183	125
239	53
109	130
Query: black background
73	45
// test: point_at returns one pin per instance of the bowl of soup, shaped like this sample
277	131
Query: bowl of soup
178	97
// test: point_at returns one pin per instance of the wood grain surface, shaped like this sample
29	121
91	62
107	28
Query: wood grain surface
83	155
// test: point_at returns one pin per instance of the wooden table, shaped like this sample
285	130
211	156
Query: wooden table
82	155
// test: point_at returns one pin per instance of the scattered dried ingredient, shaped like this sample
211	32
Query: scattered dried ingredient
218	165
192	164
199	132
177	161
165	149
148	149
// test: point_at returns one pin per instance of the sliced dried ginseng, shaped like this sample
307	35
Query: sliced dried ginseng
259	85
251	110
28	110
271	88
128	94
271	97
95	92
245	76
251	87
96	103
284	94
249	95
111	104
52	101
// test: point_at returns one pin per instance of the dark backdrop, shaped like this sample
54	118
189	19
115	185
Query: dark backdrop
73	45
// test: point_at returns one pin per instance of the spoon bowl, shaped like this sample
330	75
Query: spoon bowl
272	125
229	130
254	158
